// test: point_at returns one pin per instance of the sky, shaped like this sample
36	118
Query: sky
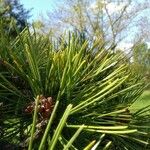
41	7
38	7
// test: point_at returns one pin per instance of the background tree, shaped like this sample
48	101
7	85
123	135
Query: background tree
141	59
12	12
105	20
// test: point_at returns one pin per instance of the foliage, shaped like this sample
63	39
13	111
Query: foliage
111	21
91	89
11	11
141	60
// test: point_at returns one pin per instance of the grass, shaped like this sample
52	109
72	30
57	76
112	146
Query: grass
143	101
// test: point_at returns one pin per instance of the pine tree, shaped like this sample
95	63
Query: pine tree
12	12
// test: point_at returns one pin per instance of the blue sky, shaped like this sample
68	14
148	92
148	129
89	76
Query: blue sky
39	7
42	7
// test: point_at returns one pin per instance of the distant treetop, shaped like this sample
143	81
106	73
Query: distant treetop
13	11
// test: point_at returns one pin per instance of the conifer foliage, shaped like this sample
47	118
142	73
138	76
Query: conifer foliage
13	12
72	94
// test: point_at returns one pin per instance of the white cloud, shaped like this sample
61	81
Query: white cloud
148	43
126	47
112	6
